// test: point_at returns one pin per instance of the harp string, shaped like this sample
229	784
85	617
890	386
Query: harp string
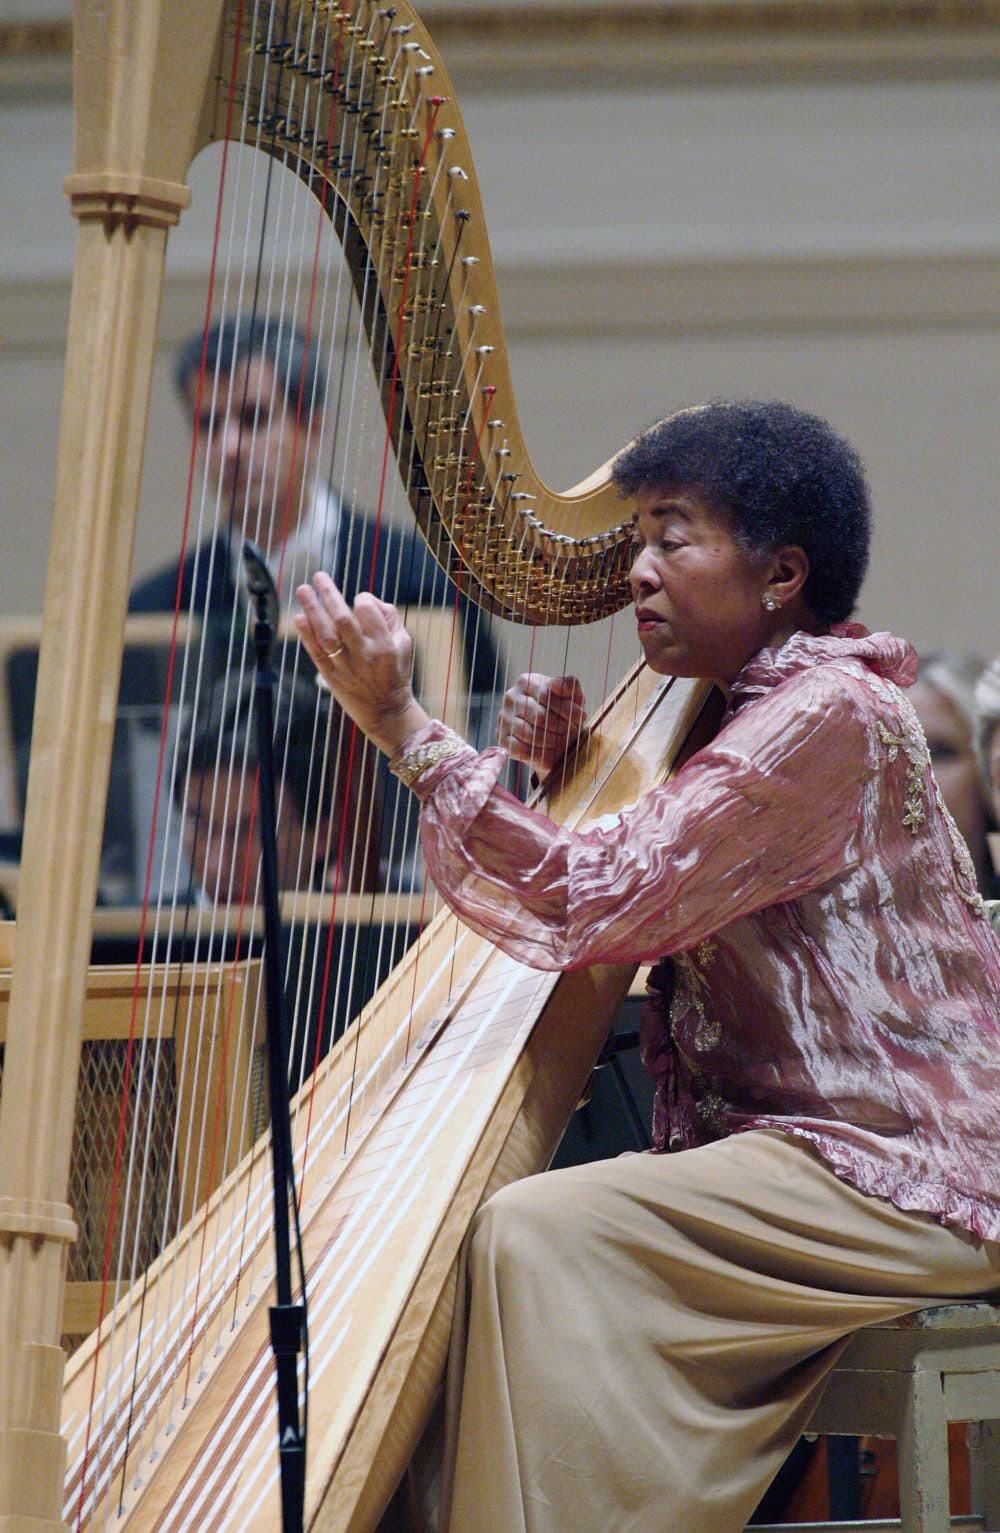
243	898
287	512
426	339
133	1020
380	506
348	446
125	1096
409	226
242	902
353	1255
408	265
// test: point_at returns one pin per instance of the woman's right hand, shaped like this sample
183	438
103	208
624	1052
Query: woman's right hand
540	718
365	656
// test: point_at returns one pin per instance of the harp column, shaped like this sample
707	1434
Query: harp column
140	75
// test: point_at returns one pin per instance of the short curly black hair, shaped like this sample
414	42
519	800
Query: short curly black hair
238	337
781	474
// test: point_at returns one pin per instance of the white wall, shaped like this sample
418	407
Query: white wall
830	236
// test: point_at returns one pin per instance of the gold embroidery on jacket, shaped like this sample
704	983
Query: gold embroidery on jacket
965	868
711	1109
912	742
687	997
917	755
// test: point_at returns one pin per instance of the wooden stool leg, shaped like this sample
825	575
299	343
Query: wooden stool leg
924	1492
984	1464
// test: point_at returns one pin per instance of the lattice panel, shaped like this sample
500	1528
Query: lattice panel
141	1211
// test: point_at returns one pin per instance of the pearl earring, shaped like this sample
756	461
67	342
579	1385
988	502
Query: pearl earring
770	601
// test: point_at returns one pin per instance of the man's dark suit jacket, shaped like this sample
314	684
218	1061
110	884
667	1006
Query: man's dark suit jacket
208	589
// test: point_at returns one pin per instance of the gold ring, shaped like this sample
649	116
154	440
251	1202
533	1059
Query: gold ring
332	654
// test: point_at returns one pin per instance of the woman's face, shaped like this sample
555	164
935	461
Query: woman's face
698	593
953	757
993	763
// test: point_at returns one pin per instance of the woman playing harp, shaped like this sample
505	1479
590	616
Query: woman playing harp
642	1340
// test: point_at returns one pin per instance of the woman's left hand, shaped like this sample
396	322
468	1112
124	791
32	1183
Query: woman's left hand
365	656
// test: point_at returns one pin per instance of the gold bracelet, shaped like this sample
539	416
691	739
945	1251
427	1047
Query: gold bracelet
408	765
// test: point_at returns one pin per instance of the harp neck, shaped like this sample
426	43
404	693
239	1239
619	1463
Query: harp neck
394	168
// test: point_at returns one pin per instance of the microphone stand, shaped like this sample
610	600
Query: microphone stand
288	1320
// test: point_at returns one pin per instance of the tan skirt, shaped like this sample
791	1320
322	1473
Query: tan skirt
639	1342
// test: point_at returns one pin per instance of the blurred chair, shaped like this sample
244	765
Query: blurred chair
142	691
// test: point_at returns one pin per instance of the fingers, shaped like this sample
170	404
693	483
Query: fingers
553	698
557	692
326	622
563	699
540	717
388	611
364	655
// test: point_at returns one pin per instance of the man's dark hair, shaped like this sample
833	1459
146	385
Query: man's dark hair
227	732
780	474
237	337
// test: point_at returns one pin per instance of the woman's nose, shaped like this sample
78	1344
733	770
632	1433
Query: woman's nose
643	575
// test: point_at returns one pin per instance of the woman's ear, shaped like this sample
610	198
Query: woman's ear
788	573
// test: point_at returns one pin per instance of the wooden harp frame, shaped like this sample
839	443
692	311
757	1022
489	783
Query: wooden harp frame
144	77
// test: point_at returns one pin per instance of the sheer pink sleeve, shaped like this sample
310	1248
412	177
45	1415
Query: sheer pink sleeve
770	810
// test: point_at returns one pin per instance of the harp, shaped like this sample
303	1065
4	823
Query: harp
461	1071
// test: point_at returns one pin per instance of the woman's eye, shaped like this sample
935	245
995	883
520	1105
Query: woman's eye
656	545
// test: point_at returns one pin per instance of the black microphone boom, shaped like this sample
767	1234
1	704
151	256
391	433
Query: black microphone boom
289	1330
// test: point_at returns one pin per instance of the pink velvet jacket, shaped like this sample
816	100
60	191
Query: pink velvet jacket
833	973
